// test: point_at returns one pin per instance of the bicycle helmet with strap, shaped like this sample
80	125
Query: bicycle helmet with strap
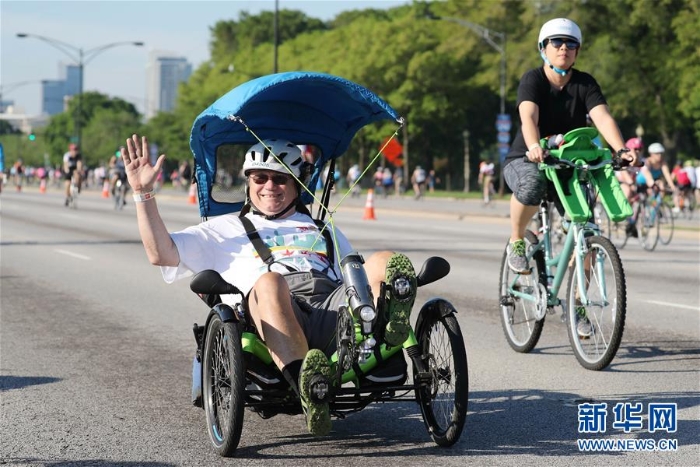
281	156
558	27
274	154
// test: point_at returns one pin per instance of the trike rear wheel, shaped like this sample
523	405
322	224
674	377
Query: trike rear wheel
224	385
443	401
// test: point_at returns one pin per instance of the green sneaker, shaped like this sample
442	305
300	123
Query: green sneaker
314	386
517	261
583	324
401	289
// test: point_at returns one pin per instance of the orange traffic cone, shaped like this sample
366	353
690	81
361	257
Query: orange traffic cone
42	186
369	206
105	189
193	194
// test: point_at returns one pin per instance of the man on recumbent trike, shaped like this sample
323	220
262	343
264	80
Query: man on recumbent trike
293	298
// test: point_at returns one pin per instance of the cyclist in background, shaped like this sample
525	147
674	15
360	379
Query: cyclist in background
72	168
685	185
486	171
655	171
627	176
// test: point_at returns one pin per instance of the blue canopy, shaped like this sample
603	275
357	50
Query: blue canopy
303	107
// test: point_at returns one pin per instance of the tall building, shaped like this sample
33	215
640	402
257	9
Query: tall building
55	91
164	73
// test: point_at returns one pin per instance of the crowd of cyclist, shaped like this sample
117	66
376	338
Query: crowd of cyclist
654	174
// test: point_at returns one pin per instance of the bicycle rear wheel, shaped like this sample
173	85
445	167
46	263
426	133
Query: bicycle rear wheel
605	312
666	225
443	402
519	315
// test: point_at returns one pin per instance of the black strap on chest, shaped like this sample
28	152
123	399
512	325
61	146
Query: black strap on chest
265	253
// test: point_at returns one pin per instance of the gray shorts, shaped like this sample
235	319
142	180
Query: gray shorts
316	299
526	180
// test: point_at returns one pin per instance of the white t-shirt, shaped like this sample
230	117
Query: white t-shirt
221	244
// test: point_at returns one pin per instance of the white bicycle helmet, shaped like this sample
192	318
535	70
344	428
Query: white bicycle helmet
288	157
656	148
559	27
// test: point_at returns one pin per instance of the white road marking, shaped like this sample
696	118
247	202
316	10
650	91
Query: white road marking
675	305
74	255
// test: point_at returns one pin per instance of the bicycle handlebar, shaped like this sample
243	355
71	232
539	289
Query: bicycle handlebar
617	162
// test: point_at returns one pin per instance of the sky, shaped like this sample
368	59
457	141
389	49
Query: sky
182	27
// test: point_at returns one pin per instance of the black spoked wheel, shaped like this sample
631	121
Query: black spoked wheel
224	385
443	400
595	329
666	226
519	315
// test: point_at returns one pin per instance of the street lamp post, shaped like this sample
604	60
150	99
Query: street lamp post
6	88
81	58
276	36
503	120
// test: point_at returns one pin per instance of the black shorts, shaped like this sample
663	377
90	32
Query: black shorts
315	300
527	182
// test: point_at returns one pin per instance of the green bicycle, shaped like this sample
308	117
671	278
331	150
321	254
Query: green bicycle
595	303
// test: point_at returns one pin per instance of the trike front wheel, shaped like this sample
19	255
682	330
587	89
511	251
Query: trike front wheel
443	391
224	385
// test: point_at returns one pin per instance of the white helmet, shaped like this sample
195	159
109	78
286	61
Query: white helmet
260	156
656	148
559	27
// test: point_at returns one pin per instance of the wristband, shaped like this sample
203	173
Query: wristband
533	146
143	197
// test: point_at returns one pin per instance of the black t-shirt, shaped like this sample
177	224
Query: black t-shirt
560	110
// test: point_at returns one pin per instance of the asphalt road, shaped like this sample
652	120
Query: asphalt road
95	349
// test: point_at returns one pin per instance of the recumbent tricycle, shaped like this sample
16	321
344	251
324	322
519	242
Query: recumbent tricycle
232	369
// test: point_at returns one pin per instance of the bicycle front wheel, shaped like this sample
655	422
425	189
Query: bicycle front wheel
73	198
595	329
666	226
619	233
648	227
519	314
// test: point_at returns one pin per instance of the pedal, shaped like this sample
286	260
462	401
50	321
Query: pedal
506	301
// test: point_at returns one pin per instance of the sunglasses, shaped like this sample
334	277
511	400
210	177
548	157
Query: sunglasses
277	179
558	41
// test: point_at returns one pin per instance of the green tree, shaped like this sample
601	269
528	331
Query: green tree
106	133
444	78
61	128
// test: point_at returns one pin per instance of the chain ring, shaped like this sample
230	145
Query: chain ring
345	341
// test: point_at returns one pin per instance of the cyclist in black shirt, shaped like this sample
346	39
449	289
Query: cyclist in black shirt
552	99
